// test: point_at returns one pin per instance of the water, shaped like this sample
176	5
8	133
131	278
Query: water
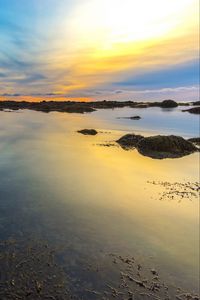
155	120
88	200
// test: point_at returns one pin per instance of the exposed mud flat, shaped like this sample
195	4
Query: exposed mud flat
178	191
30	270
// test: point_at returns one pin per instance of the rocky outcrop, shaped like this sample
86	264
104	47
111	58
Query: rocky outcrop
196	103
48	106
129	141
131	118
193	110
195	141
169	104
135	118
81	107
159	146
165	146
88	131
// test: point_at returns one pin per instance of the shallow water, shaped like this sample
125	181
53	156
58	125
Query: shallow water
89	200
153	120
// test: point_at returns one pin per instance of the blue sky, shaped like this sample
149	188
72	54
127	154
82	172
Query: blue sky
79	48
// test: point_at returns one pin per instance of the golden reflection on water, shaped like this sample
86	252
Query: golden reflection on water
112	184
117	179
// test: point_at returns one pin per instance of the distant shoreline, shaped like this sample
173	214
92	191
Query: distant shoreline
86	107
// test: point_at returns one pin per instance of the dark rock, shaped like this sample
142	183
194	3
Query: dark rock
169	104
194	110
135	118
197	103
88	131
195	140
129	141
165	146
80	107
154	272
184	103
131	118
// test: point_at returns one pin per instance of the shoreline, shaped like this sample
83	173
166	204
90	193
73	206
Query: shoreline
87	107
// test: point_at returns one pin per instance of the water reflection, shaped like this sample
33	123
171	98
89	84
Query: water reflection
89	201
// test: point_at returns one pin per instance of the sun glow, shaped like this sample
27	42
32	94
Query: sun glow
96	43
116	21
109	37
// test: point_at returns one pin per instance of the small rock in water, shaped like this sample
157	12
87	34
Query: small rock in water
88	131
169	104
193	110
135	118
154	272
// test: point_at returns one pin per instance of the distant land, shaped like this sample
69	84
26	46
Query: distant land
86	107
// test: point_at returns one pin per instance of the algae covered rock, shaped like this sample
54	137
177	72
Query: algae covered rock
195	140
129	141
193	110
88	131
161	146
169	104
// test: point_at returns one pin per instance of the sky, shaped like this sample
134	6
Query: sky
100	49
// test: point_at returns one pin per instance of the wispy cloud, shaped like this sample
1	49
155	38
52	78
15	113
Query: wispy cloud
80	47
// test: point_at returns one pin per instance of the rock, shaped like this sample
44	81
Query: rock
160	147
81	109
129	141
154	272
193	110
195	140
131	118
169	104
88	131
184	104
196	103
135	118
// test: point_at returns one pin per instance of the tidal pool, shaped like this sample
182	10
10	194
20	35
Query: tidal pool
91	203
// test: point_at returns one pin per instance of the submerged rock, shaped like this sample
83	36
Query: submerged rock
129	141
135	118
88	131
131	118
169	104
195	140
160	147
193	110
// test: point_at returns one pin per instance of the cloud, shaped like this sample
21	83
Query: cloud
167	76
49	48
31	78
181	93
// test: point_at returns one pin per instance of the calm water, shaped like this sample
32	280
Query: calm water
90	200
